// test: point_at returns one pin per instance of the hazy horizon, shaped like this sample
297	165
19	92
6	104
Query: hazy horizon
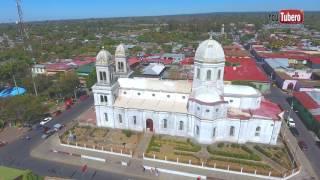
37	10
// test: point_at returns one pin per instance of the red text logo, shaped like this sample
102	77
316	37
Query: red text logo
291	16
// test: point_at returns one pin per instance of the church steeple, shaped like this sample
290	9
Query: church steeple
104	68
122	68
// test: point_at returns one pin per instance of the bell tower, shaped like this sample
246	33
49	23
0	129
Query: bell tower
122	68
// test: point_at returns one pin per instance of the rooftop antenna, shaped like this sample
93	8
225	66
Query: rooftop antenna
24	36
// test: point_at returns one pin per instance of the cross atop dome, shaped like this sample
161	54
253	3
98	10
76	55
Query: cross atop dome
210	34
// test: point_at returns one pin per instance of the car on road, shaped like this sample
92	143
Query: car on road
58	126
291	122
48	134
26	138
294	131
45	120
303	146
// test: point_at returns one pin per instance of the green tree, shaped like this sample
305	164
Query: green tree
22	109
92	78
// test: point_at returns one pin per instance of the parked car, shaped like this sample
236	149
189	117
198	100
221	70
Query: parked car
45	136
48	134
45	120
291	122
303	146
26	138
58	126
294	131
45	129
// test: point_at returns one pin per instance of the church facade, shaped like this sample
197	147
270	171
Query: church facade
205	109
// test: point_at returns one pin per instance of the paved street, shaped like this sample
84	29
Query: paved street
17	154
313	152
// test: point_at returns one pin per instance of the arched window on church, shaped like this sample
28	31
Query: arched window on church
214	132
197	130
219	74
231	133
208	75
258	129
181	125
121	66
198	73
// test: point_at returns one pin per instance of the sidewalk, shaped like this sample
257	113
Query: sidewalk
113	163
10	134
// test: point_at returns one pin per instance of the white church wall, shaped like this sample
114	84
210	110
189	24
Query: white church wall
119	118
249	102
135	120
233	101
104	116
185	128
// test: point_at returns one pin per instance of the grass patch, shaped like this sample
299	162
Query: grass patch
260	149
127	132
188	146
241	162
277	154
249	155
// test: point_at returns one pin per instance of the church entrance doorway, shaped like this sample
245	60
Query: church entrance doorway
149	124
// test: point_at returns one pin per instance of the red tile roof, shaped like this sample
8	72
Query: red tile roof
314	60
306	100
246	71
186	61
58	67
133	61
317	117
267	109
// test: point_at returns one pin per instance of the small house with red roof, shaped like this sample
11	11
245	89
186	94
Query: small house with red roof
244	70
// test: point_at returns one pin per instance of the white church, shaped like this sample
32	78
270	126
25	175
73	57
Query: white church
204	109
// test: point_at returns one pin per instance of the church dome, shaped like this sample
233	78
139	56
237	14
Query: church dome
120	51
210	51
103	57
207	95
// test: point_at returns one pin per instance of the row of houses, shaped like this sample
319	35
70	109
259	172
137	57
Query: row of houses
83	66
290	68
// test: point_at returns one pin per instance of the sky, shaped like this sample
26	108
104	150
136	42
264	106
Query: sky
37	10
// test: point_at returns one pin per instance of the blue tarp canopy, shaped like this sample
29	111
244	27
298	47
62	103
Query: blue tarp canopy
13	91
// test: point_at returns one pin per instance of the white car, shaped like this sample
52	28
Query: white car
291	122
45	120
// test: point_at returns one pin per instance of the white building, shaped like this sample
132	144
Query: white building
38	69
205	109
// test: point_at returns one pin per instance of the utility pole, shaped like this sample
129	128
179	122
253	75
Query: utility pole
25	36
